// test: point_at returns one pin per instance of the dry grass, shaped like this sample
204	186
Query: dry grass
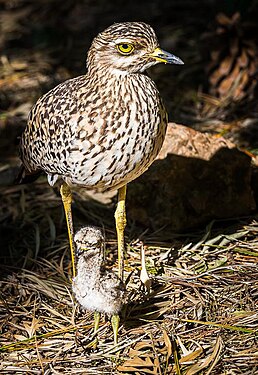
200	316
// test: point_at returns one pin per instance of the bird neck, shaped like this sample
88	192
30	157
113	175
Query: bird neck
113	77
102	72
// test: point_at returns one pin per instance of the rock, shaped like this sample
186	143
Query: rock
195	178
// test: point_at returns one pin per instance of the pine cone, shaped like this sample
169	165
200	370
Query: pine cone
233	67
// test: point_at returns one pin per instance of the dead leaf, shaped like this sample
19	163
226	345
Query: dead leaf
191	356
32	326
212	359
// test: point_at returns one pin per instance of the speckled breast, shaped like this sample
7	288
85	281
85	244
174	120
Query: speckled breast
95	136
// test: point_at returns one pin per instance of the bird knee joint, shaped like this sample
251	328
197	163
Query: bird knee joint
120	220
121	225
66	194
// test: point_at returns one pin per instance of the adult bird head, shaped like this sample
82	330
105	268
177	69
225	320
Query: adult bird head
128	47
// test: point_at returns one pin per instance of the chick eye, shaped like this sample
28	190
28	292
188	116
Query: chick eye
125	48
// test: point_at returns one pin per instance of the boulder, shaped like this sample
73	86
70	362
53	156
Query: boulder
197	177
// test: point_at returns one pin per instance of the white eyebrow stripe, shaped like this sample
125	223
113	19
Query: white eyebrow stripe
123	41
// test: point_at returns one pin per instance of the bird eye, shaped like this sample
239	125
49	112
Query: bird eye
125	48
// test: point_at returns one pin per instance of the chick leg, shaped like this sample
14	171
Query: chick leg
66	195
96	327
115	325
96	321
120	217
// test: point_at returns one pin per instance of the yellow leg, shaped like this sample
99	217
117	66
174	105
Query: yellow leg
120	217
66	195
115	325
96	321
96	327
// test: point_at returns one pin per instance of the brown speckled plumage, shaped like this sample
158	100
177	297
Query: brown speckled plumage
103	129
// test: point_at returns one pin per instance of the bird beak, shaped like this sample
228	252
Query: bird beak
165	57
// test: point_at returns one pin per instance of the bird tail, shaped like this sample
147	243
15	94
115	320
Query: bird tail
26	177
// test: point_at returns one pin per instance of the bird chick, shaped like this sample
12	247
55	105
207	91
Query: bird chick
95	287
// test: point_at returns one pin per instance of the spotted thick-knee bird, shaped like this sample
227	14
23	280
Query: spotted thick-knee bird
103	129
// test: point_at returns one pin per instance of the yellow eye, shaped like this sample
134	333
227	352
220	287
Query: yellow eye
125	48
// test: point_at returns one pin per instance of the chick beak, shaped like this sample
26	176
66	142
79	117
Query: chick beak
165	57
